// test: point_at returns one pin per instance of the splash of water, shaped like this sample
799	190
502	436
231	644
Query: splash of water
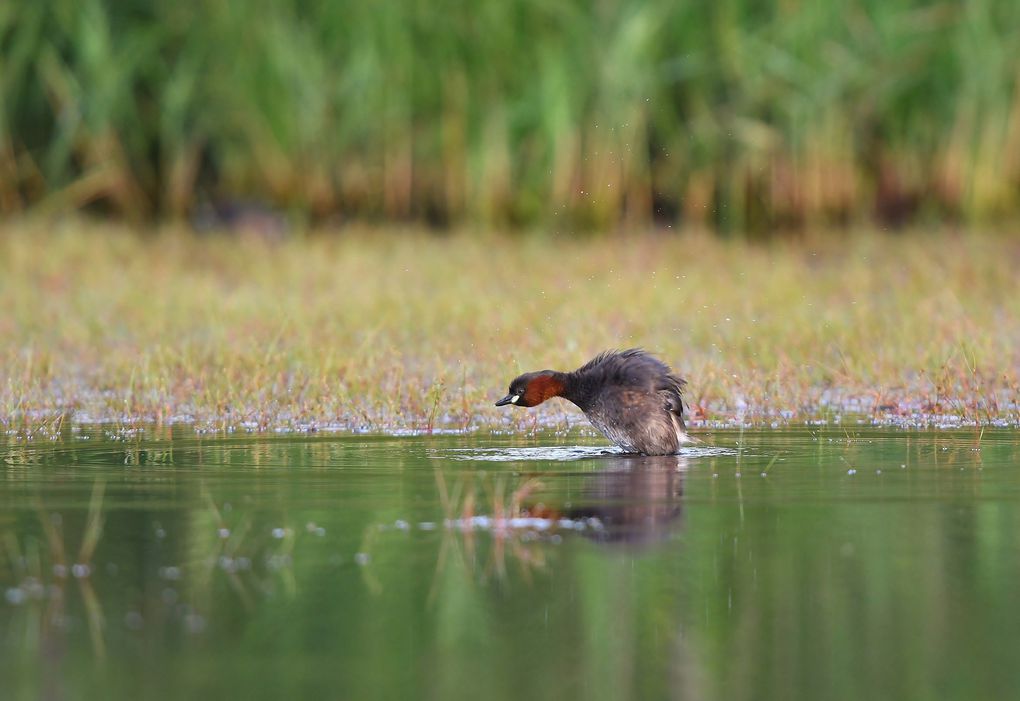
561	453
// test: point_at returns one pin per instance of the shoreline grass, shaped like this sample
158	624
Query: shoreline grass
366	330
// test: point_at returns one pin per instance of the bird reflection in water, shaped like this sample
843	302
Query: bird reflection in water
630	501
637	499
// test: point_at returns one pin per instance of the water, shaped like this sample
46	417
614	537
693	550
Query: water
782	564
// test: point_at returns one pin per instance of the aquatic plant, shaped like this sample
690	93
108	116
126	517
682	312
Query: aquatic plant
734	114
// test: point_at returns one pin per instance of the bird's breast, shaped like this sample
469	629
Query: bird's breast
612	430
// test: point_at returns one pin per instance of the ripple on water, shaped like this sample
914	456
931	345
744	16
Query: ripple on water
561	453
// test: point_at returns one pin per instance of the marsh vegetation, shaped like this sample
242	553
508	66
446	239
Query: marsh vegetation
372	331
739	115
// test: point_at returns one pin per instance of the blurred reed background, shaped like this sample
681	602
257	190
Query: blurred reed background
735	115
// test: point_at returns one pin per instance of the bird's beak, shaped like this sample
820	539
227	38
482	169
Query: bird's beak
508	399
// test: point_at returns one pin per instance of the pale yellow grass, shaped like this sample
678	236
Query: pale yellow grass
388	329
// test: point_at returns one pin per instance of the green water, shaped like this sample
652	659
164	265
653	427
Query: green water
861	564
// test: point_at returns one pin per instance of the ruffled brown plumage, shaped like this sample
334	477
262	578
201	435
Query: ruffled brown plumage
631	396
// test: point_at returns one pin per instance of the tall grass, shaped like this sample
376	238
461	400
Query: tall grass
733	114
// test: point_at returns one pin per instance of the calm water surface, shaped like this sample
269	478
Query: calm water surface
788	564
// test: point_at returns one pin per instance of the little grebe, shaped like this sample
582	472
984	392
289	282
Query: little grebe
630	396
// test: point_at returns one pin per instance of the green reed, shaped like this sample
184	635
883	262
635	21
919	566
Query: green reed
736	115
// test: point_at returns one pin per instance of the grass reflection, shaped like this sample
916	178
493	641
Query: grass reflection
372	567
492	521
36	574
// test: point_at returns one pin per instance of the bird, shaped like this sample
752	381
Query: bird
631	396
